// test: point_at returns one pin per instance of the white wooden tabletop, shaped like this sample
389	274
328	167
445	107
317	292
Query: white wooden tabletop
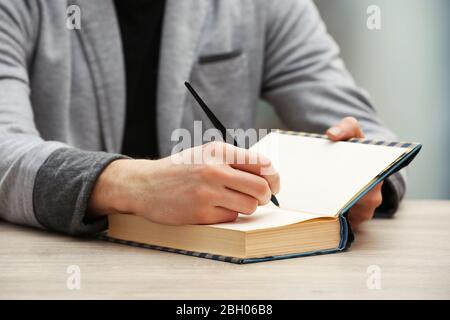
407	257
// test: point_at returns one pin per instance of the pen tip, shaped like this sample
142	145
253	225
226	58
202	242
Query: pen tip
274	201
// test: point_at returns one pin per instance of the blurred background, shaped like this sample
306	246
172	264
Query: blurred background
405	67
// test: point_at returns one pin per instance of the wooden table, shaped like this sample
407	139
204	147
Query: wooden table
412	252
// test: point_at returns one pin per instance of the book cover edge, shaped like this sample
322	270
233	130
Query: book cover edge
343	244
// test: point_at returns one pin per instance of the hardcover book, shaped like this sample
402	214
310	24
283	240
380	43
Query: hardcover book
320	181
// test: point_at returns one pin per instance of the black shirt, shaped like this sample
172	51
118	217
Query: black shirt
140	24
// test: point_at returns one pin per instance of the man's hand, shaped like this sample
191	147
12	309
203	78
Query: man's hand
365	208
177	190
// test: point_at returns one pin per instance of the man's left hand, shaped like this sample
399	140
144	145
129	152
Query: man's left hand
365	208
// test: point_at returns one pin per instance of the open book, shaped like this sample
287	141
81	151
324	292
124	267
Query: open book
320	181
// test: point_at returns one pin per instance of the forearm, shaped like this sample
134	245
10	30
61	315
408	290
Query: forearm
63	187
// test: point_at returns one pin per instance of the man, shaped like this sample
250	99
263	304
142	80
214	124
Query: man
75	103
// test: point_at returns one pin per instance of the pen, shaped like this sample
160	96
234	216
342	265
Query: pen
217	124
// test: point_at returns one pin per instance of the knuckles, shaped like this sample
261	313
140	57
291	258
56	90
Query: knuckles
211	172
263	192
214	148
203	194
249	206
214	144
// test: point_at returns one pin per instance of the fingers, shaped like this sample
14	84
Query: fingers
364	209
358	214
237	201
259	165
265	171
245	160
372	199
249	184
216	215
226	208
347	128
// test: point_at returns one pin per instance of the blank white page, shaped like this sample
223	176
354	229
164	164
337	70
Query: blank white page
265	217
319	176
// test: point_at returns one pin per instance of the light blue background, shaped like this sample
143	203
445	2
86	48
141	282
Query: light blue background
405	66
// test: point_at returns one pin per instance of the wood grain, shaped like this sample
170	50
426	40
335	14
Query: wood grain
412	251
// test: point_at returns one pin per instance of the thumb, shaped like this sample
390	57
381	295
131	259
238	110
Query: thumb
346	128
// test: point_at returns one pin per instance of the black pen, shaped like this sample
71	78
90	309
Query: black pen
218	125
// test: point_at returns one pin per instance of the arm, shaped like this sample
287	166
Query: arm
55	186
42	183
307	83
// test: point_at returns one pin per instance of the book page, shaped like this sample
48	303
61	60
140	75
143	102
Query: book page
265	217
319	176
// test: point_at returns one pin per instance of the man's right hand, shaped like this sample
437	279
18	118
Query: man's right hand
227	181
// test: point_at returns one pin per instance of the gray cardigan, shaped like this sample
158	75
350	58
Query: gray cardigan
62	92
